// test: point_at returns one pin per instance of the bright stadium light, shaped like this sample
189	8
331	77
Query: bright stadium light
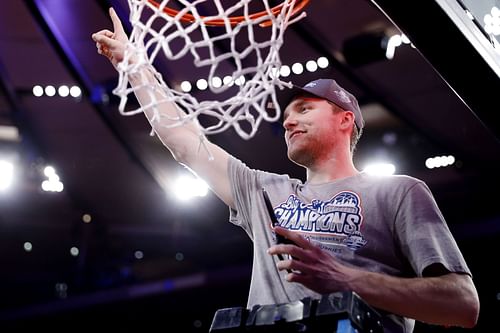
380	169
6	174
187	187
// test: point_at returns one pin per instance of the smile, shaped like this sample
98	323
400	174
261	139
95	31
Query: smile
295	133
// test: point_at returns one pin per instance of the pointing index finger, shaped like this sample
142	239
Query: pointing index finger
117	24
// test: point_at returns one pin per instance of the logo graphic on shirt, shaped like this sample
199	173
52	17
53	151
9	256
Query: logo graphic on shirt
355	241
334	224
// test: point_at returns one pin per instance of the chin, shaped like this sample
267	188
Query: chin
298	158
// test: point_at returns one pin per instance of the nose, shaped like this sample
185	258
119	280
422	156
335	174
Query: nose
289	122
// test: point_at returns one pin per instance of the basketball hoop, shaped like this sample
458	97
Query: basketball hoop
233	20
242	93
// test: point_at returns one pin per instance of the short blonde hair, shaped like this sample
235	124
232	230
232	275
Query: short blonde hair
356	132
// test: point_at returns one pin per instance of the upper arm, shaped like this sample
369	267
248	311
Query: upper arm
207	160
190	147
185	139
210	163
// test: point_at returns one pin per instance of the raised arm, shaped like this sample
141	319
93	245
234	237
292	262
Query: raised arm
184	142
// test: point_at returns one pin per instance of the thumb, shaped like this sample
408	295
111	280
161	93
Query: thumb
117	24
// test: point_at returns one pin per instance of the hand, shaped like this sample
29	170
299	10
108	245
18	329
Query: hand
311	266
112	44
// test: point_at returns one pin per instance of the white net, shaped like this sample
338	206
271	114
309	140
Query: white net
239	60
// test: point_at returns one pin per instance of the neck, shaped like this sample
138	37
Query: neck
331	168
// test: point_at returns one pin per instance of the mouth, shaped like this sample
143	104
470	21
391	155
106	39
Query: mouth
295	134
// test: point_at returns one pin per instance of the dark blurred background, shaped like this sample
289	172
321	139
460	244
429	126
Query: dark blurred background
102	240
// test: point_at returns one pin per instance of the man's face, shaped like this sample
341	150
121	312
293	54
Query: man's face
310	129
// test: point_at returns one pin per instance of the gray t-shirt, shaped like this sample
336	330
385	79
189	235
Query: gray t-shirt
388	224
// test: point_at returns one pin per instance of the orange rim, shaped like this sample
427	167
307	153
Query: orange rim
234	20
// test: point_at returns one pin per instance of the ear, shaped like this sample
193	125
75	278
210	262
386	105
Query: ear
347	120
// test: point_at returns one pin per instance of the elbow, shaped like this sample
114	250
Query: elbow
184	144
178	155
471	314
177	147
471	307
466	302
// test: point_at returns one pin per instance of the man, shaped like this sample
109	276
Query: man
381	237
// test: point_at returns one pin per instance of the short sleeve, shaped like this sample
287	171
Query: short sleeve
244	184
423	234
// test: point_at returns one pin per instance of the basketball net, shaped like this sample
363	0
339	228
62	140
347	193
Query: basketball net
241	97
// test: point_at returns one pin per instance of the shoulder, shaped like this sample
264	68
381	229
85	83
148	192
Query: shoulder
238	166
399	183
405	180
402	189
391	179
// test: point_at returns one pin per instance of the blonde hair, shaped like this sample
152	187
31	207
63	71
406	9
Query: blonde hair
355	134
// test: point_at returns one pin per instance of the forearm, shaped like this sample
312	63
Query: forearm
446	300
163	114
182	139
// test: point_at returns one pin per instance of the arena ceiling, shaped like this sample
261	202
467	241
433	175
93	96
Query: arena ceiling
129	234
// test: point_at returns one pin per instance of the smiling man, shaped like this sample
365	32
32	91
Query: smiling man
381	237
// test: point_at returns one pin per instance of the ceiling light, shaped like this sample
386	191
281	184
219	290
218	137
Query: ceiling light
138	254
27	246
61	289
37	91
227	80
285	71
380	169
393	42
187	187
297	68
186	86
202	84
63	91
50	91
86	218
6	174
439	161
322	62
311	66
216	82
492	21
53	183
240	80
74	251
75	91
9	133
49	171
